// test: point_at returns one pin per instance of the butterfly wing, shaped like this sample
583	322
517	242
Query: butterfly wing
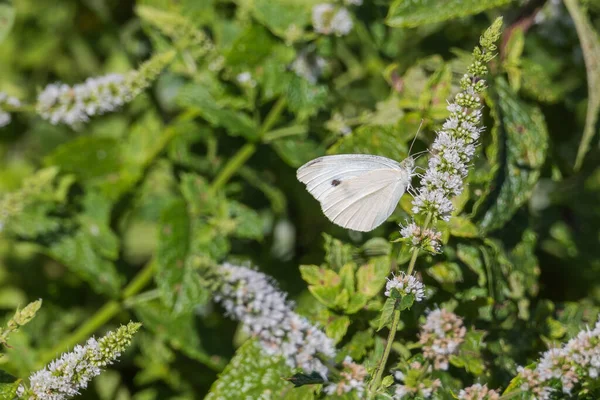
356	191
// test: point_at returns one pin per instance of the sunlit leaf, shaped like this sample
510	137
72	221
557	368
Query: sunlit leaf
411	13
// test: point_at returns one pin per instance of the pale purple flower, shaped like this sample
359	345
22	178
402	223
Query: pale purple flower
253	299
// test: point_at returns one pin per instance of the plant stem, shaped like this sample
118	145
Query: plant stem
234	163
246	151
102	316
375	382
386	353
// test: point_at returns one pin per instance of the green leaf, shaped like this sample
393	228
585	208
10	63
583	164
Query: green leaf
371	277
7	18
304	98
250	47
248	224
296	152
303	379
285	18
314	275
590	45
8	386
176	278
470	256
412	13
179	330
387	313
462	227
523	141
446	273
251	373
337	328
337	253
201	100
88	157
79	254
369	139
406	302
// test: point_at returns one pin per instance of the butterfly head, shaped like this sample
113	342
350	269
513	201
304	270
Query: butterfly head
408	164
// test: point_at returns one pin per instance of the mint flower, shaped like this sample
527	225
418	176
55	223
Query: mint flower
441	335
74	105
405	285
425	239
352	378
61	103
565	367
252	298
6	104
64	377
328	19
454	146
478	392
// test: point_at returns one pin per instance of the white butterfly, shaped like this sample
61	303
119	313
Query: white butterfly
357	191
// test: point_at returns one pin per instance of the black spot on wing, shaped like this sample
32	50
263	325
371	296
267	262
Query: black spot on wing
335	182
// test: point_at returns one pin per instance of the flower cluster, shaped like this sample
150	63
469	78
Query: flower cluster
329	19
61	103
352	378
416	382
478	392
65	377
74	105
565	367
6	103
441	336
419	238
405	285
455	143
252	298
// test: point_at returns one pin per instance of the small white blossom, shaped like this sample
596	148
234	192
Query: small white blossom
252	298
7	102
426	239
328	19
245	79
308	67
352	378
441	336
405	284
478	392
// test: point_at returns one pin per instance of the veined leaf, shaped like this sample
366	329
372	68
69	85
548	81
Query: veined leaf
252	373
412	13
522	138
179	287
8	386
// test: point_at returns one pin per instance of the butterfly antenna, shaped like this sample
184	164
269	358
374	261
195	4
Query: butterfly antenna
415	138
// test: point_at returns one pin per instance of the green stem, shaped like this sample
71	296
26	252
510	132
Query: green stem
246	151
376	381
101	317
232	166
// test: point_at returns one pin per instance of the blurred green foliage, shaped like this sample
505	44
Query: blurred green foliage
112	221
